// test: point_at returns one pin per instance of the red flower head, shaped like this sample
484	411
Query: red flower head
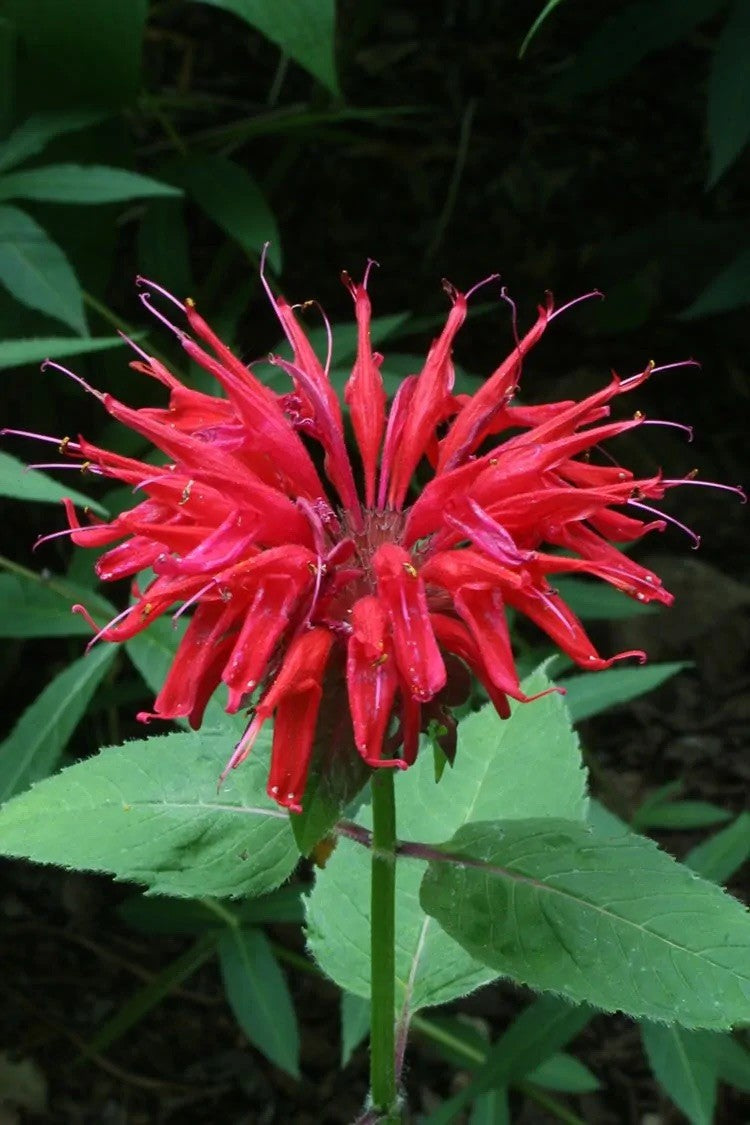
297	576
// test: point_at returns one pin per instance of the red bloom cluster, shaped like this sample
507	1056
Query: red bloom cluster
295	575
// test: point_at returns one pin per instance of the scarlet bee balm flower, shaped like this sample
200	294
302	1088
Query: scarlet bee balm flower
290	572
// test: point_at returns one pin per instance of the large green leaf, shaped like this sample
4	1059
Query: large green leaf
81	183
35	270
590	693
14	353
729	92
42	607
303	29
150	812
616	923
21	483
495	760
35	133
34	746
686	1064
259	996
230	197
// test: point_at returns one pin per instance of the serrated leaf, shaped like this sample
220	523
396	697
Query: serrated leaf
21	483
303	29
491	778
685	1063
590	693
730	289
719	857
33	134
15	353
232	199
35	745
81	183
150	812
616	923
36	272
729	92
42	608
355	1024
259	996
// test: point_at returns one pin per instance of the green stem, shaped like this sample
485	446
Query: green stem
383	955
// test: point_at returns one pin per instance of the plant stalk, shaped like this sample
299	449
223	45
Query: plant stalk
382	945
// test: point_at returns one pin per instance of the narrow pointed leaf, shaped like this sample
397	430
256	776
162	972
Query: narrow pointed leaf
616	923
43	608
719	857
36	272
729	92
259	996
15	353
21	483
686	1064
34	746
150	812
81	183
589	694
35	133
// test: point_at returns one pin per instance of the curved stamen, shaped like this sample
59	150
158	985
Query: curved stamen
575	301
67	531
736	488
144	299
673	425
479	284
329	330
370	263
668	519
192	600
514	313
160	289
85	614
72	445
652	369
72	375
86	467
134	346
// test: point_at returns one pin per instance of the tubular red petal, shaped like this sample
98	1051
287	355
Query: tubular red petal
453	636
372	681
365	395
402	592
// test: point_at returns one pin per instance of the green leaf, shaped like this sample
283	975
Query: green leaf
303	29
596	601
590	693
491	1109
232	199
491	779
681	815
163	248
734	1064
259	996
685	1063
33	748
729	92
336	777
35	133
719	857
729	290
545	1026
42	608
14	353
81	183
150	812
629	35
146	998
616	923
547	10
355	1024
155	914
565	1073
21	483
35	270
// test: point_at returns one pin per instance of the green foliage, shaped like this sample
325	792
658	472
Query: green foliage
21	483
616	923
155	914
728	290
355	1023
34	134
589	694
78	183
721	855
303	29
259	996
490	779
41	608
686	1064
546	11
36	271
729	91
150	812
34	746
15	353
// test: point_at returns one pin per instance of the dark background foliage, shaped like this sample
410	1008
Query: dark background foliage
611	156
